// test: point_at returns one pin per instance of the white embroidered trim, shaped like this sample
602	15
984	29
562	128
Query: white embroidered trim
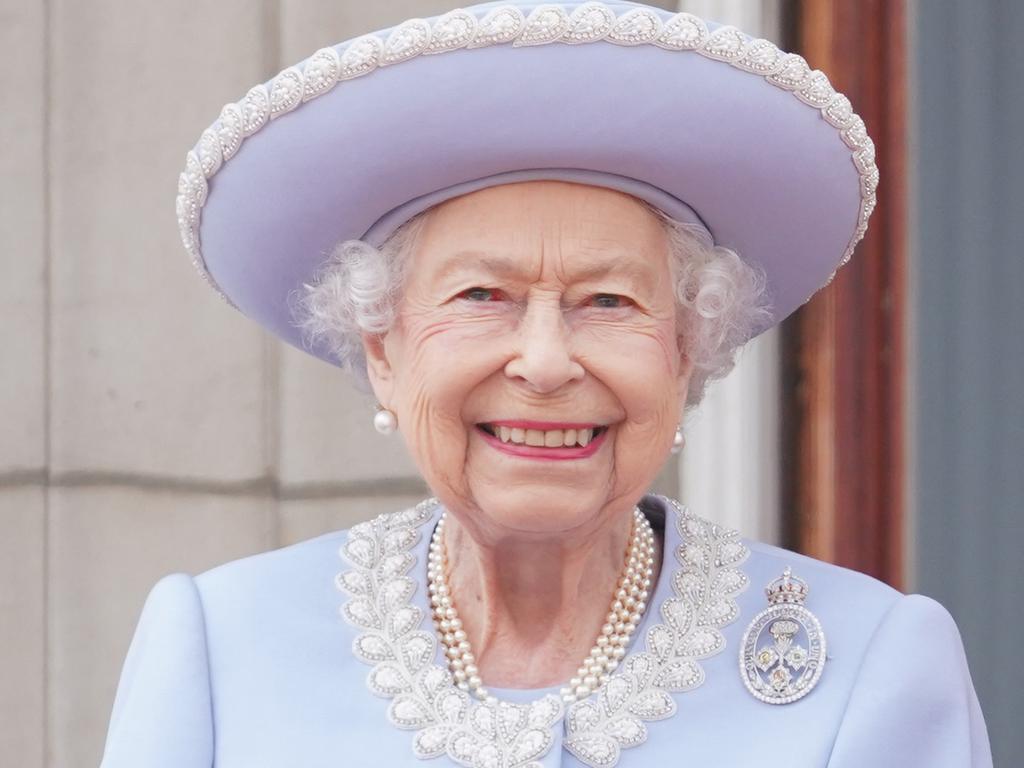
588	23
424	697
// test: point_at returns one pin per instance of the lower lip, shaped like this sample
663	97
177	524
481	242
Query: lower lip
537	452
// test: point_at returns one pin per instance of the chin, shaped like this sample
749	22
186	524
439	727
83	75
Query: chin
542	509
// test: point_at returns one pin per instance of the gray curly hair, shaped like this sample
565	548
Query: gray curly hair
722	300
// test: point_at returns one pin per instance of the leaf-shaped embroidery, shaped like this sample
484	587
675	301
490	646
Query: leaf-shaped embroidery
614	694
544	712
408	711
719	611
360	552
701	642
793	72
511	719
689	585
488	755
594	749
451	705
692	555
730	551
528	744
229	130
355	583
387	679
501	25
761	57
677	613
320	73
634	27
483	719
361	56
729	582
628	731
285	92
418	650
679	675
430	742
396	593
641	666
463	746
433	680
583	717
372	648
588	23
652	704
725	43
255	108
453	30
659	641
403	620
683	32
399	540
394	565
408	39
545	24
361	612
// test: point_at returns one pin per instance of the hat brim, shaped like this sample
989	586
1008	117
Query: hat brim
757	158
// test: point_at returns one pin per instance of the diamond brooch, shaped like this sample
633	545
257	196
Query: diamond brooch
783	650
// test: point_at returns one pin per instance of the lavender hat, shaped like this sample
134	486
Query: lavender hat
698	119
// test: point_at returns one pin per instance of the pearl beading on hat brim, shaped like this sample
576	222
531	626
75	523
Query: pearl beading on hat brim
590	22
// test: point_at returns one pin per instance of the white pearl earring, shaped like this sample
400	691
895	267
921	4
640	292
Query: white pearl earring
384	421
678	440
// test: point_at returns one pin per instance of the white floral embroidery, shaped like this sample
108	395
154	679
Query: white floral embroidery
589	22
425	699
704	590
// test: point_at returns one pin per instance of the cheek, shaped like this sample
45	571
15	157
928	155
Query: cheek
639	364
441	360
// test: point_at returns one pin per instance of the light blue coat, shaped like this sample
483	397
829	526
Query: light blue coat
251	665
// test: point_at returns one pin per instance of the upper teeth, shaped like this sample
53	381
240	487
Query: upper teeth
549	438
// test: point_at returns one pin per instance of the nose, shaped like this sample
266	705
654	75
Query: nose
543	356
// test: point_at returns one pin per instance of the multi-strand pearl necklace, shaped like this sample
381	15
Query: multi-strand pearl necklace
627	608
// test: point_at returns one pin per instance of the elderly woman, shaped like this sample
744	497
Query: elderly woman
540	247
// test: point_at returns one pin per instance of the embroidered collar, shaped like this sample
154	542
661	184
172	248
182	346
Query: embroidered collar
425	699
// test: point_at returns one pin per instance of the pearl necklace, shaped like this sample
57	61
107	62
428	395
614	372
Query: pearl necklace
627	608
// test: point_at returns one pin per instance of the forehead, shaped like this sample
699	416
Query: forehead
537	226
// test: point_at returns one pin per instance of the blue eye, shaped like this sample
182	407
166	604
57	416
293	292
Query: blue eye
609	300
480	294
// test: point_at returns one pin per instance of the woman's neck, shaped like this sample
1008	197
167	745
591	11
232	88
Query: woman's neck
533	607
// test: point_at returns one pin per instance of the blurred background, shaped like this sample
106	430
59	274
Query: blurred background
148	428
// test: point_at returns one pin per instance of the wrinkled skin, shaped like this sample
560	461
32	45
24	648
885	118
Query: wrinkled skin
535	546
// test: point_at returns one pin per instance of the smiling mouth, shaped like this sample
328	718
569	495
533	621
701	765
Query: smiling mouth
543	438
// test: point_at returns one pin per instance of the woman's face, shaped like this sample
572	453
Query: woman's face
530	307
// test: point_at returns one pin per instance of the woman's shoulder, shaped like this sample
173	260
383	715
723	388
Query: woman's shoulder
823	578
834	590
275	576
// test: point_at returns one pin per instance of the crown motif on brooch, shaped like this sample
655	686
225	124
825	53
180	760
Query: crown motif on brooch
787	589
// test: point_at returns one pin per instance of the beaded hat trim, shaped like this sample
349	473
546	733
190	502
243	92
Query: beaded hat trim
507	25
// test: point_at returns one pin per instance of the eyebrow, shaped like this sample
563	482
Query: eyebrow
510	267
